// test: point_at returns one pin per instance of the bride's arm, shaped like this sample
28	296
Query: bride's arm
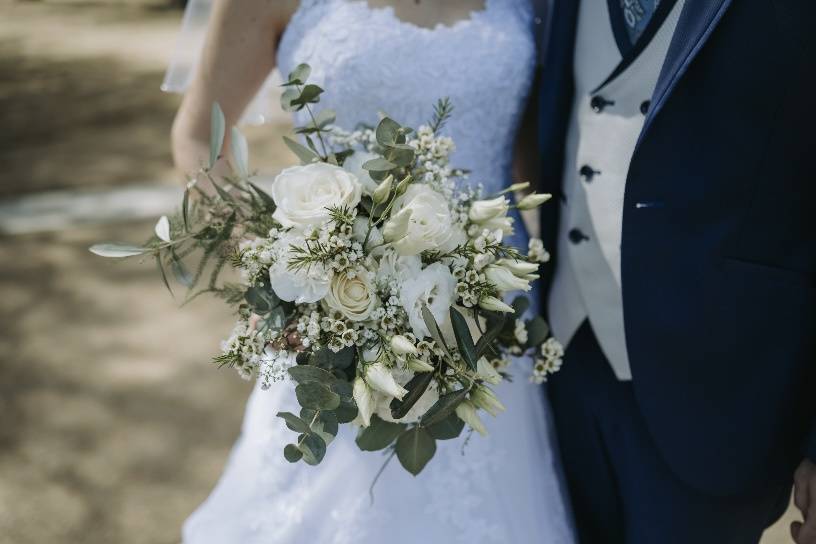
239	54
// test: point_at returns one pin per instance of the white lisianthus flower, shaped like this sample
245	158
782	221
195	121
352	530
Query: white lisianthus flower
355	297
364	398
398	267
303	194
533	200
301	286
493	304
381	379
504	280
434	287
421	220
354	164
467	413
522	269
482	211
359	230
418	365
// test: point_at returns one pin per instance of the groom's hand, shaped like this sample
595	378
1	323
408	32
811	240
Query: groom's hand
804	496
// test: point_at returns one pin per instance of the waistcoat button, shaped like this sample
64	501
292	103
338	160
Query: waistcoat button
598	103
644	106
587	172
576	236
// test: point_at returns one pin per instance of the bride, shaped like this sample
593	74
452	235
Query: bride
399	57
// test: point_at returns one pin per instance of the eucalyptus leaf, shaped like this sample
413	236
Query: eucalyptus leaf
416	388
463	338
400	155
313	448
240	152
415	447
447	429
317	396
379	165
326	358
347	411
292	453
520	304
294	422
379	434
309	374
444	407
537	331
308	95
117	250
300	74
305	154
217	128
387	132
288	98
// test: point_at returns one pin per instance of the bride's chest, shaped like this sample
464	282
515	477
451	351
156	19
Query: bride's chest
369	56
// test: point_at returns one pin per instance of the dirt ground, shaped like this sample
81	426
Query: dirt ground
113	426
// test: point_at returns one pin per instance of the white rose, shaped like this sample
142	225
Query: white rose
299	286
303	194
353	297
421	220
434	287
354	164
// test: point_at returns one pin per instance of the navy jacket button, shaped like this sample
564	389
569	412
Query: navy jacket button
598	103
576	236
587	172
644	106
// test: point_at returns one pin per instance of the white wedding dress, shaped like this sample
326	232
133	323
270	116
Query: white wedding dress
505	488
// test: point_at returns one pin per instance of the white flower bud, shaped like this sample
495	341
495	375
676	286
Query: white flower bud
484	210
402	186
418	365
493	304
364	398
485	399
382	191
522	269
504	280
380	378
486	372
402	346
533	200
518	186
467	413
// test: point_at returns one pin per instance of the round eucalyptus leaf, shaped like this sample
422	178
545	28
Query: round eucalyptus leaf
310	373
294	422
317	396
313	448
292	453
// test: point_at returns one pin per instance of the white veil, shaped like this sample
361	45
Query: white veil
186	56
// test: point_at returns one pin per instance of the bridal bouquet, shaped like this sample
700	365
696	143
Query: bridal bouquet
371	281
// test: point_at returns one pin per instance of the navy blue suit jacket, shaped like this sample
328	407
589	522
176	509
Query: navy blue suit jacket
719	235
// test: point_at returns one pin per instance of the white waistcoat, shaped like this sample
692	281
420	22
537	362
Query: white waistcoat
604	128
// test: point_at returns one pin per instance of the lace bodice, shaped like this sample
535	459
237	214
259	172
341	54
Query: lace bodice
369	60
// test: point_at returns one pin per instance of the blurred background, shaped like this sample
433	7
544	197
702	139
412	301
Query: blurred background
113	425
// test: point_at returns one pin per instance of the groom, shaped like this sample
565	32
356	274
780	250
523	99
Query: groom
677	135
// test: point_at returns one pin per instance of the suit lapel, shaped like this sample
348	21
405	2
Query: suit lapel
697	21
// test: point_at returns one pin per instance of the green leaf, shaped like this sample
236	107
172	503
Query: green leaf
117	250
313	448
305	154
181	273
288	98
217	127
494	329
300	74
387	132
311	374
240	152
447	429
400	154
326	358
433	328
415	447
463	338
292	453
416	388
347	410
379	165
325	118
268	201
520	304
261	299
294	422
444	407
379	435
537	331
309	95
317	396
163	274
185	210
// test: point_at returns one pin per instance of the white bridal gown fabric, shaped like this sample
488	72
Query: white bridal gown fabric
505	488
